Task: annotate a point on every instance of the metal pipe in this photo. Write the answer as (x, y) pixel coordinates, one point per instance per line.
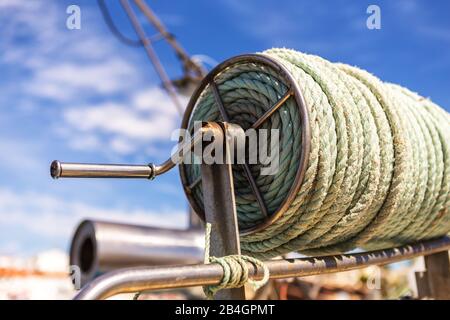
(99, 246)
(151, 53)
(147, 171)
(93, 170)
(188, 63)
(140, 279)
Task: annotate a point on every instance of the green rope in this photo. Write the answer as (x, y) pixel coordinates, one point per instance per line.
(378, 173)
(235, 270)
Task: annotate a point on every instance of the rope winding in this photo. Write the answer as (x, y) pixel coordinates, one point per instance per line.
(379, 165)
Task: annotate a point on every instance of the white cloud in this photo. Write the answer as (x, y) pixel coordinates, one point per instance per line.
(49, 216)
(10, 248)
(148, 117)
(113, 118)
(8, 3)
(63, 65)
(19, 154)
(66, 81)
(93, 81)
(122, 146)
(35, 21)
(83, 142)
(155, 99)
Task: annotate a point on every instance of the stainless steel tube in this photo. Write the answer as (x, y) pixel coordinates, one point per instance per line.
(98, 247)
(147, 171)
(140, 279)
(87, 170)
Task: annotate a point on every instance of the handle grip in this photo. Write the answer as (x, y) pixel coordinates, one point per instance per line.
(85, 170)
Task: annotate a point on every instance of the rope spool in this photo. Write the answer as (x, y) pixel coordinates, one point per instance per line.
(362, 163)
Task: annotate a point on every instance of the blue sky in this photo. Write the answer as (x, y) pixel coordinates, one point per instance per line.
(81, 95)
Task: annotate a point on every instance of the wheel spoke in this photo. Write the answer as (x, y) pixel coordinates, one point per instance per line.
(272, 109)
(245, 166)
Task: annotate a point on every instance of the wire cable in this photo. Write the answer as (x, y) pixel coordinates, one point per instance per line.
(114, 29)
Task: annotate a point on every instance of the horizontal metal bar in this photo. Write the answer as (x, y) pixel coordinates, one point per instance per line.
(92, 170)
(147, 171)
(151, 278)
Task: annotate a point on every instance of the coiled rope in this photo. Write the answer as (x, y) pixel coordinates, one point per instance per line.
(235, 270)
(378, 170)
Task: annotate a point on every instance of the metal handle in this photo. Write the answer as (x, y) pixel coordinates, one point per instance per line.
(146, 171)
(85, 170)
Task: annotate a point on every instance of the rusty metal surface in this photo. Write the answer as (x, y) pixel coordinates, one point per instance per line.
(220, 211)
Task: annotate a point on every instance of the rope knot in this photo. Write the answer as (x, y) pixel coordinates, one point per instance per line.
(235, 270)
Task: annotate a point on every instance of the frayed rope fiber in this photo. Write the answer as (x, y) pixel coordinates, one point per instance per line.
(378, 170)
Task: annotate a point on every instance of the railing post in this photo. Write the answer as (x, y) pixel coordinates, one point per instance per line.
(220, 211)
(434, 282)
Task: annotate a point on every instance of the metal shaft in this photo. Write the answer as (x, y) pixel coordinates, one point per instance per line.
(188, 63)
(140, 279)
(91, 170)
(146, 171)
(151, 53)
